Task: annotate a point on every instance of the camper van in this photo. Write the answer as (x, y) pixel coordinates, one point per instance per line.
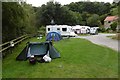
(94, 30)
(64, 30)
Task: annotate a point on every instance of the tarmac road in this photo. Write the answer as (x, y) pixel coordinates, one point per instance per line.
(102, 39)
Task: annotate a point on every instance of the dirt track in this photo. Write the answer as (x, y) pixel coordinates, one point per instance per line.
(102, 39)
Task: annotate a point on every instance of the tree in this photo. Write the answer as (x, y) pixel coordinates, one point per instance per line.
(17, 19)
(12, 19)
(60, 14)
(94, 20)
(85, 16)
(46, 13)
(114, 26)
(99, 8)
(114, 11)
(102, 18)
(29, 19)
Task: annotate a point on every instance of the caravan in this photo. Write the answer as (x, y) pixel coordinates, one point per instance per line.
(81, 29)
(64, 30)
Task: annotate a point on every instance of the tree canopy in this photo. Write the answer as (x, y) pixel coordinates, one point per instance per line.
(82, 13)
(17, 19)
(22, 18)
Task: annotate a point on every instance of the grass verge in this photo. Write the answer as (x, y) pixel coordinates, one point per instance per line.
(116, 37)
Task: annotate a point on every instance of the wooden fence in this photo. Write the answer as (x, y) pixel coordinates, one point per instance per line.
(5, 46)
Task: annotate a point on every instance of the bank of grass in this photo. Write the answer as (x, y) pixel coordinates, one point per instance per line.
(79, 59)
(116, 37)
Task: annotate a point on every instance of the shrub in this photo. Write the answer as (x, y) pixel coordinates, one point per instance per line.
(102, 29)
(109, 30)
(114, 26)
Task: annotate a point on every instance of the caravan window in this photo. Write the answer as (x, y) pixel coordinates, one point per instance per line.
(58, 28)
(64, 29)
(83, 27)
(48, 29)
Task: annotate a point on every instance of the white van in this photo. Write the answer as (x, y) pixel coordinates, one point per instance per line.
(93, 30)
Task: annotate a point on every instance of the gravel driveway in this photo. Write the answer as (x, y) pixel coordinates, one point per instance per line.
(102, 39)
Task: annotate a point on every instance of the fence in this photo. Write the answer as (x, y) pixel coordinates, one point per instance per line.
(7, 45)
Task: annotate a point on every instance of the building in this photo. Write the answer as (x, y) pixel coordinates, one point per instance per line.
(109, 20)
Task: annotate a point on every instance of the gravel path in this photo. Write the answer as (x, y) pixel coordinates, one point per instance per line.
(102, 39)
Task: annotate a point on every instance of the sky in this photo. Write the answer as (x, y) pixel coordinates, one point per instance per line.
(63, 2)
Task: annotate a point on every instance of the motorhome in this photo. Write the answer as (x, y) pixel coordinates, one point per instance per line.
(94, 30)
(64, 30)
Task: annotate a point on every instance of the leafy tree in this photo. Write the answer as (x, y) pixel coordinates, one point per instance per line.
(114, 26)
(12, 19)
(78, 18)
(41, 30)
(94, 20)
(85, 16)
(114, 11)
(17, 19)
(102, 28)
(60, 15)
(99, 8)
(104, 8)
(73, 7)
(102, 18)
(29, 19)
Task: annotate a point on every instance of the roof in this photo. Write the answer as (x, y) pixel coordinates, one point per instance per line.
(111, 18)
(77, 27)
(58, 26)
(80, 27)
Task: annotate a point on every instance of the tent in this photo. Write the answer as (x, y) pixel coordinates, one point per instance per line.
(53, 36)
(38, 49)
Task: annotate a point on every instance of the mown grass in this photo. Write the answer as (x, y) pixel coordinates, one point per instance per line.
(79, 59)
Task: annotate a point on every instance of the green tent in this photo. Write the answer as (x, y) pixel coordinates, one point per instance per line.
(38, 49)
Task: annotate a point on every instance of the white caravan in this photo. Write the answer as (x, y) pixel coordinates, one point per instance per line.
(81, 29)
(64, 30)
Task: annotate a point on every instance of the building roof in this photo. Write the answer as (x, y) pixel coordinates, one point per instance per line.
(111, 18)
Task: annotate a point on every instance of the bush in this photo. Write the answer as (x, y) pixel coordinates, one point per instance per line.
(42, 30)
(109, 30)
(114, 26)
(102, 29)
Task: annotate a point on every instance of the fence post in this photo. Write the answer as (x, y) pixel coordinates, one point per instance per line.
(10, 44)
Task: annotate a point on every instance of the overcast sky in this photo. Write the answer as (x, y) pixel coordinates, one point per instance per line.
(40, 2)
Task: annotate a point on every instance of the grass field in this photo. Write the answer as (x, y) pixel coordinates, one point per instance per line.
(79, 59)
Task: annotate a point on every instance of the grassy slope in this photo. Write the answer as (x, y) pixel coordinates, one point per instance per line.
(79, 59)
(116, 37)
